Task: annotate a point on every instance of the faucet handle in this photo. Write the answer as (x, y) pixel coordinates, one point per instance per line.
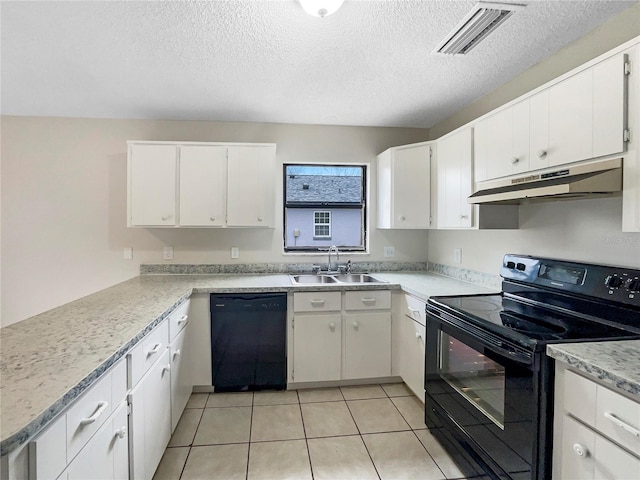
(315, 269)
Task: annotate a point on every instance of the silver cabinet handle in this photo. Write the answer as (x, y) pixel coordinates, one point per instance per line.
(580, 450)
(176, 354)
(317, 302)
(156, 348)
(102, 406)
(368, 300)
(625, 426)
(183, 319)
(166, 368)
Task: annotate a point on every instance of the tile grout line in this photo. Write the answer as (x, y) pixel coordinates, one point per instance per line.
(304, 431)
(253, 401)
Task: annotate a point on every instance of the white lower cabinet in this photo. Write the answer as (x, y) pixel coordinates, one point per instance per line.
(106, 454)
(341, 335)
(410, 343)
(150, 420)
(597, 430)
(87, 440)
(180, 385)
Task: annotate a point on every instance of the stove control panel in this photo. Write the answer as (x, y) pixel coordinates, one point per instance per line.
(618, 284)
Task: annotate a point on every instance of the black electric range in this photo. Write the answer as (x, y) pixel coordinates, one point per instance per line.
(488, 382)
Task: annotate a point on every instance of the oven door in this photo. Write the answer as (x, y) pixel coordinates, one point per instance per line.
(485, 393)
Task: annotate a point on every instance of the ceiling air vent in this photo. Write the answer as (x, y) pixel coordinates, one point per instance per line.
(483, 19)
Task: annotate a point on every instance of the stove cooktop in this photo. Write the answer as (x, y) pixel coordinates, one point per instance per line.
(530, 326)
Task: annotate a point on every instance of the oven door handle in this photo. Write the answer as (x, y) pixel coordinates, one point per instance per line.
(487, 340)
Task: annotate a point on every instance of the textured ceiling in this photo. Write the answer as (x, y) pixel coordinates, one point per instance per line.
(267, 61)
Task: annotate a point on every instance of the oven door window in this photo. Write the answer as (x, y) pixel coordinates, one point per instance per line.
(473, 375)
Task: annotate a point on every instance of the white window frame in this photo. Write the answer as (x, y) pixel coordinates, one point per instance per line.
(317, 224)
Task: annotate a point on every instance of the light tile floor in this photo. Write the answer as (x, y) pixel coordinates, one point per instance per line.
(365, 432)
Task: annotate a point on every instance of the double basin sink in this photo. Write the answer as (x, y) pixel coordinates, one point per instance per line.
(324, 278)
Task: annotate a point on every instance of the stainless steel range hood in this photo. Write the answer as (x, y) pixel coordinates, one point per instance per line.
(586, 179)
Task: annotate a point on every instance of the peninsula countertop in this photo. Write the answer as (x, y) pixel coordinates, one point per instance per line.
(48, 360)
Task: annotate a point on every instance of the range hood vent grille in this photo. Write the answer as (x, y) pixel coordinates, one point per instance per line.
(475, 27)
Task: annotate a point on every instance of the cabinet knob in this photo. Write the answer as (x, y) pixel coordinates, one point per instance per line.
(463, 216)
(515, 160)
(541, 153)
(418, 335)
(402, 218)
(213, 219)
(580, 450)
(356, 325)
(121, 432)
(259, 219)
(332, 325)
(166, 217)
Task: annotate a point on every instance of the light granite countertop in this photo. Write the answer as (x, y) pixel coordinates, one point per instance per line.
(48, 360)
(616, 363)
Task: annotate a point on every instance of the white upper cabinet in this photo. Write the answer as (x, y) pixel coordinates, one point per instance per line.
(454, 179)
(152, 185)
(577, 118)
(201, 185)
(404, 187)
(250, 188)
(502, 143)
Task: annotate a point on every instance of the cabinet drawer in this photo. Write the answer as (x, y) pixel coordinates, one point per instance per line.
(368, 300)
(618, 417)
(178, 319)
(316, 302)
(415, 309)
(148, 350)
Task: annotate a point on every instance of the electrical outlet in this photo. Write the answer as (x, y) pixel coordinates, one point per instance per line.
(457, 255)
(235, 252)
(167, 253)
(128, 253)
(389, 252)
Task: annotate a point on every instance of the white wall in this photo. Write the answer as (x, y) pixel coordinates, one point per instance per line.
(64, 203)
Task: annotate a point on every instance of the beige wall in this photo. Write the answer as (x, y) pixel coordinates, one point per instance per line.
(64, 203)
(582, 230)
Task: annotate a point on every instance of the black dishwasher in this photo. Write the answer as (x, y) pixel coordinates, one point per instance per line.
(248, 341)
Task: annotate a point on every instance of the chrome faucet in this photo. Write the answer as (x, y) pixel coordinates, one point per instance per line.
(333, 248)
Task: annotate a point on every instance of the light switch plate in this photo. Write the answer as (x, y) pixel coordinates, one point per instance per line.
(128, 253)
(389, 252)
(235, 252)
(167, 253)
(457, 255)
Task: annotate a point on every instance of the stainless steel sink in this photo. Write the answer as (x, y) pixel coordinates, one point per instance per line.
(357, 278)
(312, 279)
(316, 279)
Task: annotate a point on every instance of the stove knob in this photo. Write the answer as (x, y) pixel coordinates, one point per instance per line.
(613, 281)
(634, 285)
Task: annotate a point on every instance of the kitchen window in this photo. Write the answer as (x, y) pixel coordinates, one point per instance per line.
(324, 205)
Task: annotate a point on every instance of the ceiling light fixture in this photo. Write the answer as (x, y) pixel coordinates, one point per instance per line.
(321, 8)
(483, 19)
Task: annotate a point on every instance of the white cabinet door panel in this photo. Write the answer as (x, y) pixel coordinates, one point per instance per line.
(317, 347)
(539, 130)
(367, 345)
(152, 189)
(608, 106)
(180, 384)
(203, 185)
(411, 187)
(454, 180)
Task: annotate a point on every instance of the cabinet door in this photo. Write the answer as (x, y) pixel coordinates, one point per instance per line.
(499, 144)
(317, 347)
(152, 185)
(578, 448)
(203, 185)
(539, 130)
(250, 186)
(571, 119)
(367, 345)
(520, 131)
(411, 187)
(180, 386)
(150, 420)
(106, 454)
(454, 180)
(608, 106)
